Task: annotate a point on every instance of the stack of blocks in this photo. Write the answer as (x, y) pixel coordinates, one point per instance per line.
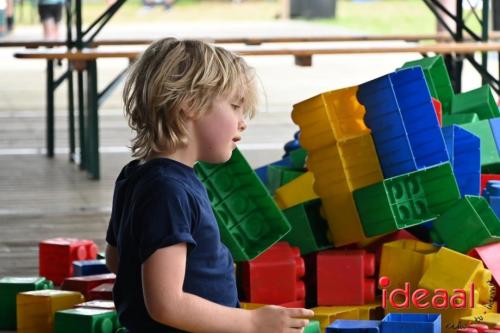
(373, 189)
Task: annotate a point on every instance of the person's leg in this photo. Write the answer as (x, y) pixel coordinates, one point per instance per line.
(10, 15)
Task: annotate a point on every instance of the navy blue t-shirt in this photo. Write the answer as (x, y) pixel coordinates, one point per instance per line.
(158, 204)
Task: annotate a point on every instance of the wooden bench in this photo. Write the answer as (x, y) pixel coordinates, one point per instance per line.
(86, 60)
(33, 44)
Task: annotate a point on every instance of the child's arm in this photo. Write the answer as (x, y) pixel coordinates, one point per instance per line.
(112, 258)
(163, 277)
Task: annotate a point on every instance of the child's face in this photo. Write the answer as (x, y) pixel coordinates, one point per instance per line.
(218, 130)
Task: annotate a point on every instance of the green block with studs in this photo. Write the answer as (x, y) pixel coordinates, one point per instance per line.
(278, 176)
(490, 157)
(86, 320)
(298, 158)
(459, 119)
(479, 101)
(312, 327)
(406, 200)
(9, 288)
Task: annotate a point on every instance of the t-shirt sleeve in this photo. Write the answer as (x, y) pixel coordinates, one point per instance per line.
(163, 217)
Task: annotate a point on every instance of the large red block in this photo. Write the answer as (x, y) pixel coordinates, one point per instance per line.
(345, 277)
(56, 256)
(84, 284)
(274, 276)
(487, 177)
(102, 292)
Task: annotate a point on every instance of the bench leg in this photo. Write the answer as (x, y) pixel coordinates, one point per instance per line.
(92, 121)
(50, 108)
(81, 120)
(71, 114)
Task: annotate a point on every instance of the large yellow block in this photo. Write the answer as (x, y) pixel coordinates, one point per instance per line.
(404, 261)
(36, 309)
(297, 191)
(490, 319)
(372, 311)
(329, 117)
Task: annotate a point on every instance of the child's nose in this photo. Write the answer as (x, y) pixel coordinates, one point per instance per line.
(242, 125)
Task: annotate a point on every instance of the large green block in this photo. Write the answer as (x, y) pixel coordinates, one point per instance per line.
(468, 223)
(298, 158)
(407, 200)
(9, 288)
(437, 78)
(459, 119)
(278, 176)
(490, 157)
(309, 229)
(313, 327)
(86, 320)
(479, 101)
(248, 218)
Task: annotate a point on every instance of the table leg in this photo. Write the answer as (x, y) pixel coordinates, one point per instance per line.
(50, 107)
(92, 121)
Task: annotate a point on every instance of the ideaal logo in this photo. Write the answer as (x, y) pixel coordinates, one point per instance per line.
(400, 298)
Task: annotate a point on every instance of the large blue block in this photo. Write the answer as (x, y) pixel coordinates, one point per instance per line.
(262, 171)
(465, 155)
(404, 125)
(419, 117)
(495, 129)
(492, 195)
(411, 323)
(388, 131)
(354, 326)
(89, 267)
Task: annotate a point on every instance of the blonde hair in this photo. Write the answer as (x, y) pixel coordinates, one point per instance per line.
(171, 73)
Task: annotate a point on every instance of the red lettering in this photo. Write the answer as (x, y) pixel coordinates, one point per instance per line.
(405, 293)
(418, 295)
(442, 296)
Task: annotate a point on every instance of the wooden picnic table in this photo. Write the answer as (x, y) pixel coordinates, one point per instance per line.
(86, 60)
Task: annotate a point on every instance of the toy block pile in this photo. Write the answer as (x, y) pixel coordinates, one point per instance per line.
(55, 302)
(391, 192)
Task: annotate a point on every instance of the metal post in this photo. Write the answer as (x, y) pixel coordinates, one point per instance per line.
(92, 120)
(457, 70)
(484, 26)
(81, 121)
(50, 107)
(71, 106)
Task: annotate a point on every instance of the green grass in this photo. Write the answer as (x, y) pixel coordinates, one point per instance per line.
(370, 17)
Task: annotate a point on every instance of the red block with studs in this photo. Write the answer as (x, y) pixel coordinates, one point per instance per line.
(84, 284)
(274, 277)
(56, 256)
(345, 277)
(103, 292)
(485, 177)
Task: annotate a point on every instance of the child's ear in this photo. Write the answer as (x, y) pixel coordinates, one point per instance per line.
(187, 111)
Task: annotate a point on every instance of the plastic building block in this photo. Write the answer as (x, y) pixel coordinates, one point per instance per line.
(442, 273)
(35, 309)
(89, 267)
(372, 311)
(468, 223)
(489, 320)
(103, 291)
(274, 277)
(84, 320)
(479, 101)
(405, 261)
(345, 277)
(339, 170)
(411, 323)
(438, 108)
(291, 146)
(404, 125)
(298, 158)
(309, 229)
(492, 195)
(485, 178)
(354, 326)
(490, 157)
(97, 304)
(295, 192)
(249, 220)
(312, 327)
(329, 117)
(488, 254)
(56, 256)
(437, 78)
(406, 200)
(9, 288)
(459, 119)
(278, 176)
(327, 315)
(495, 130)
(84, 284)
(261, 172)
(465, 157)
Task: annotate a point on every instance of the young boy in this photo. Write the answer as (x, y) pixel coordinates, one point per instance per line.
(187, 102)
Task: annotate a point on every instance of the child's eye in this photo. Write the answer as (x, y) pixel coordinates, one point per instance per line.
(235, 106)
